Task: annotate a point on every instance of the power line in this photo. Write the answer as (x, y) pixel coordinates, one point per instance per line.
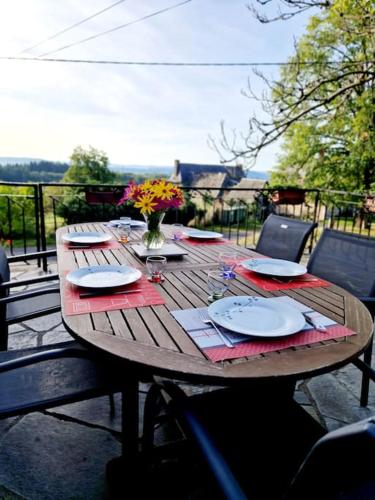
(72, 26)
(186, 64)
(102, 33)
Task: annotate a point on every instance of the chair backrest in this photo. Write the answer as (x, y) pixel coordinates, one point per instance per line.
(339, 466)
(347, 260)
(284, 237)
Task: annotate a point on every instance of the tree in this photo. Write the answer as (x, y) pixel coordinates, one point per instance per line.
(89, 167)
(323, 104)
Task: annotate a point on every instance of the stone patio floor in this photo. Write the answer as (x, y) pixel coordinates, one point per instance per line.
(61, 453)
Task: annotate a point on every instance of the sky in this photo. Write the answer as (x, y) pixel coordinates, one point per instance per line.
(143, 115)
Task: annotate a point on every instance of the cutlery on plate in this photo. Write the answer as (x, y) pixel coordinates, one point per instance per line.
(98, 294)
(318, 326)
(204, 317)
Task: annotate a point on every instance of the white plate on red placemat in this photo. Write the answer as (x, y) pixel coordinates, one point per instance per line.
(256, 316)
(103, 276)
(133, 223)
(274, 267)
(86, 238)
(202, 235)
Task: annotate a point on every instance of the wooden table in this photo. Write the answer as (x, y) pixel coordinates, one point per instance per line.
(149, 338)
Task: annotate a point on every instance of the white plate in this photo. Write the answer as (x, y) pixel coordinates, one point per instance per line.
(204, 235)
(274, 267)
(104, 276)
(133, 223)
(256, 316)
(88, 238)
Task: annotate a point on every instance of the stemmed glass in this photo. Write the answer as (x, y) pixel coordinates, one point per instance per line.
(155, 266)
(217, 284)
(227, 264)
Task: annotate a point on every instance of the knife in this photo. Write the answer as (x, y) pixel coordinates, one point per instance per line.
(98, 294)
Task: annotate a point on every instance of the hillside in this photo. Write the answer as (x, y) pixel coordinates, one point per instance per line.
(23, 169)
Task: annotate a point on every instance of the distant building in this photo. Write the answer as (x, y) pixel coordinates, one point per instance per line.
(213, 189)
(189, 174)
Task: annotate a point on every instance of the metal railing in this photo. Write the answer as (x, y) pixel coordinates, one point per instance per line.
(31, 213)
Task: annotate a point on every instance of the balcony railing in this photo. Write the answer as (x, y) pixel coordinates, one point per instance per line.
(31, 213)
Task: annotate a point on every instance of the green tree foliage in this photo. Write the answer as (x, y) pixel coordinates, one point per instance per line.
(330, 142)
(89, 167)
(323, 103)
(38, 171)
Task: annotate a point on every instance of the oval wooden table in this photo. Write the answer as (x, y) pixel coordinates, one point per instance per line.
(149, 339)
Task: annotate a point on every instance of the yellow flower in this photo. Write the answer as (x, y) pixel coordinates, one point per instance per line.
(145, 203)
(146, 186)
(163, 190)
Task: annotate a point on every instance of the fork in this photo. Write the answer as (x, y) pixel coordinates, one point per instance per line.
(204, 317)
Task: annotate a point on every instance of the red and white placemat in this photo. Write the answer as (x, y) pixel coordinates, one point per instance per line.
(108, 245)
(147, 296)
(272, 283)
(214, 349)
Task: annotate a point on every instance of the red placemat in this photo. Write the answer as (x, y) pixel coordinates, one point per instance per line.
(213, 347)
(217, 241)
(148, 296)
(254, 347)
(271, 284)
(109, 245)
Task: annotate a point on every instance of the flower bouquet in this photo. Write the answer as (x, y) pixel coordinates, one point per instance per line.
(153, 198)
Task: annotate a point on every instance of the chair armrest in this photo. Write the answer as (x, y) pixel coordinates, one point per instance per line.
(28, 295)
(31, 256)
(30, 281)
(38, 357)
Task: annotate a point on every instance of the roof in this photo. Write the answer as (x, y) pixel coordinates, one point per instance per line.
(245, 183)
(188, 174)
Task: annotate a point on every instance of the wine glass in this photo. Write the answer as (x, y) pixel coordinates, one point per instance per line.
(155, 266)
(227, 263)
(217, 284)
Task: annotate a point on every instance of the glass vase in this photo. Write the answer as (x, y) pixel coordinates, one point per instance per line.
(153, 238)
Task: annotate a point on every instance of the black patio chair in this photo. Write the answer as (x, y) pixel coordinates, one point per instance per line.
(284, 237)
(348, 260)
(39, 378)
(240, 452)
(22, 306)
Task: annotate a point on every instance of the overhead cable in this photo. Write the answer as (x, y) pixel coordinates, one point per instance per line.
(28, 49)
(122, 26)
(186, 64)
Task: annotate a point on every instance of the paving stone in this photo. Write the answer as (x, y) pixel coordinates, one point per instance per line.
(44, 323)
(334, 401)
(16, 328)
(97, 412)
(44, 458)
(23, 340)
(56, 336)
(94, 412)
